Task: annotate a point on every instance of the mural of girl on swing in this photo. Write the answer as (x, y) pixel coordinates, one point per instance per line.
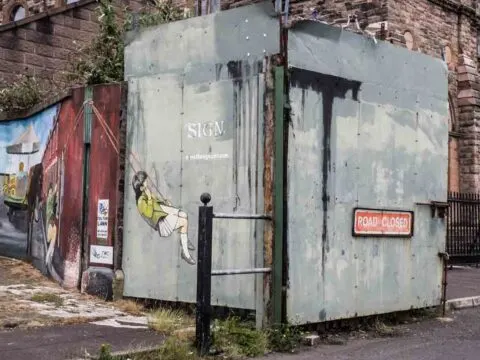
(160, 214)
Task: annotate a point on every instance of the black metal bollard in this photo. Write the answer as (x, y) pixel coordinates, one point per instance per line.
(204, 276)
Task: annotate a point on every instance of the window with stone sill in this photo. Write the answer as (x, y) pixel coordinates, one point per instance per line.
(18, 13)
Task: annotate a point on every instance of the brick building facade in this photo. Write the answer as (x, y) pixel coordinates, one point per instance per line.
(39, 45)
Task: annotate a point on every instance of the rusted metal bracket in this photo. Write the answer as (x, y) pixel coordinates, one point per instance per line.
(439, 208)
(445, 257)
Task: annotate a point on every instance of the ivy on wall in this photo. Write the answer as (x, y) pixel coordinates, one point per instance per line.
(102, 60)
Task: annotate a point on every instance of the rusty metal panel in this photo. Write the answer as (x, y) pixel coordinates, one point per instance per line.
(195, 124)
(71, 158)
(56, 197)
(362, 136)
(104, 160)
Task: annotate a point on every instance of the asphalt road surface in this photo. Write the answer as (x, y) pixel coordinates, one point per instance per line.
(428, 340)
(71, 342)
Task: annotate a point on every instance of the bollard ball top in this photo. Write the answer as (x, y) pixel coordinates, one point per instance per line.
(205, 198)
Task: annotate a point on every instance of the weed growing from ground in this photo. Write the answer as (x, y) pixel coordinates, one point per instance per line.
(172, 349)
(175, 349)
(237, 340)
(105, 352)
(284, 338)
(232, 338)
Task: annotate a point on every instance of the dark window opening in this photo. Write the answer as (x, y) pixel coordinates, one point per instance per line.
(18, 13)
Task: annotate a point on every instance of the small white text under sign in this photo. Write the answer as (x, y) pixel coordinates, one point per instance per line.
(102, 219)
(101, 254)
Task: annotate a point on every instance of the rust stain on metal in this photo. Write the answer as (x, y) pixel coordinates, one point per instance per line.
(269, 121)
(104, 160)
(70, 223)
(122, 137)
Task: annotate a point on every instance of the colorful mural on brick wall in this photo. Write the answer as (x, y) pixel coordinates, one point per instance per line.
(22, 144)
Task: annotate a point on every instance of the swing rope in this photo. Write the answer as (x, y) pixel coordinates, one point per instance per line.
(76, 122)
(114, 142)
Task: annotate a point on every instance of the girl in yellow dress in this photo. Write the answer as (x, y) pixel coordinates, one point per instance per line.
(161, 215)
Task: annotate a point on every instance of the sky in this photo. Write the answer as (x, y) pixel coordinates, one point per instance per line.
(10, 130)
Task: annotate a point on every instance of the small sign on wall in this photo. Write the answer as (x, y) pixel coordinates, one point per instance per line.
(387, 223)
(102, 219)
(101, 254)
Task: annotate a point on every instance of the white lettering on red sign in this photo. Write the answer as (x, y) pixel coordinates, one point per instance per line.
(383, 222)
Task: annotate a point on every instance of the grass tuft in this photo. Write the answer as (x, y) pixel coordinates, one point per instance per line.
(166, 321)
(172, 349)
(175, 349)
(130, 307)
(41, 297)
(105, 352)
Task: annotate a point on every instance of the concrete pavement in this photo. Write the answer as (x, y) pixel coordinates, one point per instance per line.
(428, 340)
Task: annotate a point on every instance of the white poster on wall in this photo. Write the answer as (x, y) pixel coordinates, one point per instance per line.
(101, 254)
(102, 219)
